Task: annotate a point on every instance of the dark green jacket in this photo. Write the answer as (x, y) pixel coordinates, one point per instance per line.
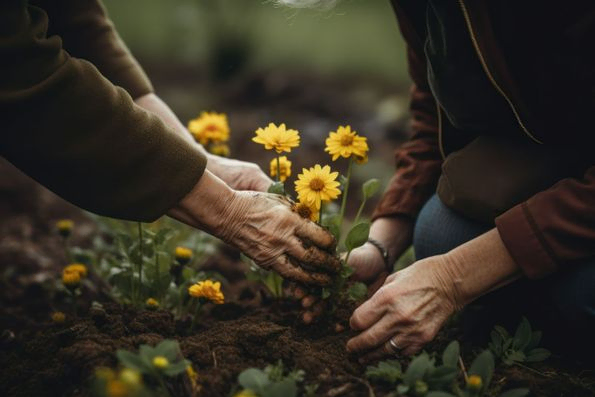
(67, 116)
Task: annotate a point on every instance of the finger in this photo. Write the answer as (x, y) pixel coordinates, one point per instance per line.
(369, 312)
(309, 231)
(386, 350)
(374, 336)
(288, 270)
(262, 182)
(312, 256)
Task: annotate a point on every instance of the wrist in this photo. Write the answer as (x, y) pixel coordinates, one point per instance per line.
(395, 234)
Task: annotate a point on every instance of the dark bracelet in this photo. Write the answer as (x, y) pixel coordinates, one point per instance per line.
(383, 252)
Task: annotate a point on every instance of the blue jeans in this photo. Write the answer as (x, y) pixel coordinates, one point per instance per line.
(568, 297)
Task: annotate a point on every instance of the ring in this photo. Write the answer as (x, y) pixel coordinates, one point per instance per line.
(391, 346)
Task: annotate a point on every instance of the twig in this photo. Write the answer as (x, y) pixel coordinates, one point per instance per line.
(214, 358)
(533, 370)
(365, 383)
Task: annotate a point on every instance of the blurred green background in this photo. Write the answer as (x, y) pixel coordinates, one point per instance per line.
(261, 63)
(357, 37)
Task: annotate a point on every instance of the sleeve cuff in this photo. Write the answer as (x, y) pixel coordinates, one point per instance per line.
(525, 243)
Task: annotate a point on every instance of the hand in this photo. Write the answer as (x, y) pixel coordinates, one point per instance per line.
(395, 236)
(239, 175)
(409, 308)
(262, 226)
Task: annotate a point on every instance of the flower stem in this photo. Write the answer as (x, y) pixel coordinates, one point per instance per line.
(359, 211)
(278, 170)
(345, 191)
(67, 249)
(195, 317)
(320, 215)
(140, 261)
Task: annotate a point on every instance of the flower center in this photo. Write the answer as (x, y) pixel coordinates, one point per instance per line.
(346, 140)
(211, 127)
(317, 184)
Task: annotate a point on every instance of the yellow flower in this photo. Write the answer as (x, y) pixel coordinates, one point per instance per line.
(76, 268)
(183, 254)
(306, 211)
(316, 185)
(284, 166)
(152, 303)
(65, 227)
(58, 317)
(245, 393)
(207, 289)
(117, 388)
(193, 376)
(209, 127)
(71, 279)
(130, 377)
(160, 362)
(220, 149)
(346, 143)
(474, 382)
(279, 139)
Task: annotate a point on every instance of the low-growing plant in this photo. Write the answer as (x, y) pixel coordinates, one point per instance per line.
(522, 347)
(425, 378)
(273, 381)
(159, 366)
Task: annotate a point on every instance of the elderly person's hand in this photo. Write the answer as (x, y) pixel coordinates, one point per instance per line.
(264, 227)
(239, 175)
(393, 235)
(411, 306)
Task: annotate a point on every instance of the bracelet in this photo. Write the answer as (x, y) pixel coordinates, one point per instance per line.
(383, 252)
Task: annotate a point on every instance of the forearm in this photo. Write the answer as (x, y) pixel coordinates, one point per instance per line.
(476, 268)
(394, 234)
(152, 103)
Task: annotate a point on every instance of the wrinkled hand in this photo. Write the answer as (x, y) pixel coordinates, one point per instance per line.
(263, 226)
(409, 308)
(239, 175)
(368, 265)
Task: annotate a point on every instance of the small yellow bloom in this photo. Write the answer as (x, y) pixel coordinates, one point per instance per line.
(160, 362)
(183, 254)
(117, 388)
(193, 376)
(306, 211)
(76, 268)
(346, 143)
(220, 149)
(131, 377)
(245, 393)
(474, 382)
(65, 227)
(284, 167)
(279, 139)
(71, 279)
(316, 185)
(207, 289)
(58, 317)
(152, 303)
(209, 127)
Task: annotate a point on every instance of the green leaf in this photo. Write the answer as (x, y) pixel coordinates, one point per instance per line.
(277, 188)
(388, 371)
(169, 349)
(402, 389)
(417, 369)
(357, 291)
(332, 224)
(515, 393)
(370, 188)
(285, 388)
(176, 368)
(254, 379)
(513, 356)
(132, 361)
(326, 293)
(538, 354)
(450, 357)
(523, 334)
(483, 365)
(357, 236)
(535, 339)
(442, 377)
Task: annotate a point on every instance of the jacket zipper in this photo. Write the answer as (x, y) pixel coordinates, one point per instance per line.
(489, 74)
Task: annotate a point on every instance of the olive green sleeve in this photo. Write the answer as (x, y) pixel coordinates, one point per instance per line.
(68, 127)
(88, 33)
